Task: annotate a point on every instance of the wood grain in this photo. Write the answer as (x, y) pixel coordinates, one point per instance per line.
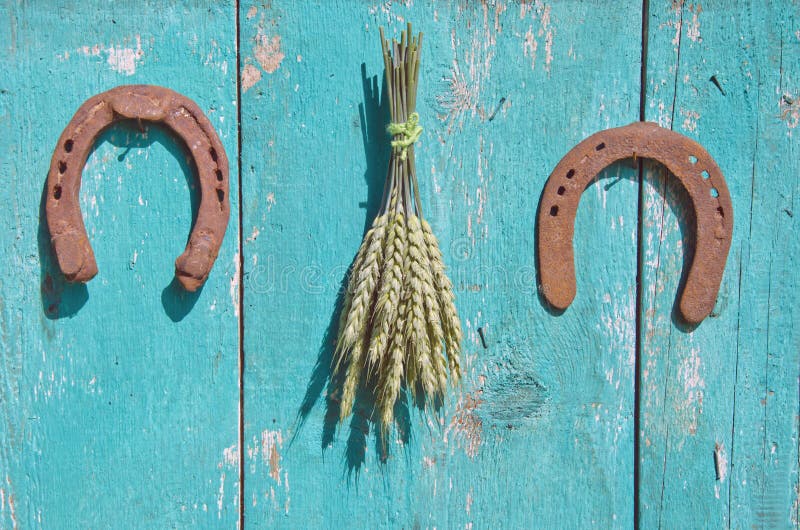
(541, 432)
(118, 399)
(719, 440)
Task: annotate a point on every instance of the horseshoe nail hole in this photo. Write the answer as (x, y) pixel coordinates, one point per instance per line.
(220, 195)
(720, 211)
(714, 192)
(554, 211)
(62, 166)
(600, 146)
(219, 175)
(705, 174)
(68, 146)
(57, 192)
(692, 159)
(570, 173)
(561, 190)
(213, 153)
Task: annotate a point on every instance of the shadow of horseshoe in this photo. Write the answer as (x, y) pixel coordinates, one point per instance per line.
(694, 168)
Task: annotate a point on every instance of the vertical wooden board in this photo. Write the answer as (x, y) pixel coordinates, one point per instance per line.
(541, 432)
(719, 404)
(118, 399)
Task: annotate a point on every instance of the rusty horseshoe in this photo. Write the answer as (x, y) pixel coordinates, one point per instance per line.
(144, 103)
(697, 172)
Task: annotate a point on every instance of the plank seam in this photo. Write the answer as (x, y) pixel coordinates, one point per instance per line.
(240, 520)
(639, 273)
(739, 305)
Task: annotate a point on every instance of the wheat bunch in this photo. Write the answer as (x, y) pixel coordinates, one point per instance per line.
(399, 325)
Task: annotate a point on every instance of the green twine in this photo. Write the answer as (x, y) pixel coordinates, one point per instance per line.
(408, 132)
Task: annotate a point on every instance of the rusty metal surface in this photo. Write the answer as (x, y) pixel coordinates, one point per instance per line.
(697, 172)
(146, 103)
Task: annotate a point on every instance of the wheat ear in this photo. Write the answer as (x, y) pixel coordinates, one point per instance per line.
(451, 324)
(356, 328)
(392, 371)
(433, 317)
(347, 303)
(388, 300)
(416, 332)
(435, 333)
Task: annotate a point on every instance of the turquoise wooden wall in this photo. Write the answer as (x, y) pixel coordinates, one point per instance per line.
(129, 403)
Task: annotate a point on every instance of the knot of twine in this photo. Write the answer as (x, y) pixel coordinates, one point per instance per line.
(408, 133)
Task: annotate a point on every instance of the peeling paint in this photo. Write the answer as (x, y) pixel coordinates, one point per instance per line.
(693, 31)
(254, 235)
(470, 70)
(529, 47)
(221, 495)
(250, 76)
(286, 486)
(13, 512)
(690, 120)
(271, 441)
(215, 57)
(120, 58)
(721, 461)
(460, 97)
(234, 290)
(546, 33)
(385, 8)
(124, 60)
(675, 24)
(548, 38)
(466, 427)
(11, 505)
(789, 108)
(693, 387)
(230, 455)
(267, 52)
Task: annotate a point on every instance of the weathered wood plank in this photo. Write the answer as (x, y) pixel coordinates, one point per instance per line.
(720, 403)
(118, 400)
(541, 434)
